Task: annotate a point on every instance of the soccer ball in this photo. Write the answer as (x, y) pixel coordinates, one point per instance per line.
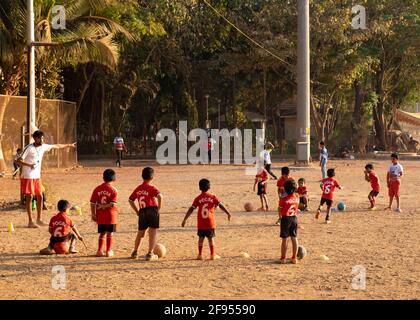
(249, 206)
(341, 206)
(160, 250)
(301, 252)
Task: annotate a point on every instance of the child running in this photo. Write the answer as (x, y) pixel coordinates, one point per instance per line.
(262, 180)
(328, 185)
(393, 179)
(63, 232)
(150, 202)
(372, 177)
(303, 195)
(206, 223)
(103, 207)
(288, 206)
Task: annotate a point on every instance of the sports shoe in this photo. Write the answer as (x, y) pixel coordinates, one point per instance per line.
(73, 250)
(151, 256)
(293, 260)
(283, 261)
(46, 251)
(31, 224)
(199, 257)
(100, 254)
(373, 208)
(134, 255)
(278, 222)
(41, 223)
(215, 257)
(398, 210)
(317, 214)
(327, 221)
(110, 253)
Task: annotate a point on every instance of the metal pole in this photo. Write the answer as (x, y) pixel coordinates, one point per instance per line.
(303, 79)
(31, 69)
(207, 110)
(218, 115)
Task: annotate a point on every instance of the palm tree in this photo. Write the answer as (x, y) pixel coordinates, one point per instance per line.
(88, 37)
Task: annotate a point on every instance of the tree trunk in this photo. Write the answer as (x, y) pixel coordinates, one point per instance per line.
(85, 87)
(379, 112)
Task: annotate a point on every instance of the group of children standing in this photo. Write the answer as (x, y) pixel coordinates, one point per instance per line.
(293, 197)
(146, 202)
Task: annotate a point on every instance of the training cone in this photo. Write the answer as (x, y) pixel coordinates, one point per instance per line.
(11, 228)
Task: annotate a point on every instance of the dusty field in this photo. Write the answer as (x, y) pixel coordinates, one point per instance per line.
(385, 243)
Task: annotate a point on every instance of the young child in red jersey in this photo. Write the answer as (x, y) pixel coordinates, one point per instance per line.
(262, 180)
(150, 202)
(372, 177)
(285, 176)
(288, 206)
(103, 206)
(206, 224)
(393, 178)
(63, 232)
(328, 185)
(303, 195)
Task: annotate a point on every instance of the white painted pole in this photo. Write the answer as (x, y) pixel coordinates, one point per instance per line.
(303, 79)
(31, 67)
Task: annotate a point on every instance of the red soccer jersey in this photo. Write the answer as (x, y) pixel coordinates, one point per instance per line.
(374, 181)
(282, 181)
(206, 203)
(302, 190)
(328, 186)
(289, 205)
(61, 225)
(105, 194)
(262, 175)
(146, 195)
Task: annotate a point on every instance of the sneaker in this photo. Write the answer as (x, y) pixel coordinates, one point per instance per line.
(293, 260)
(283, 261)
(41, 223)
(278, 222)
(134, 255)
(327, 221)
(31, 224)
(317, 214)
(110, 253)
(46, 251)
(100, 254)
(151, 256)
(199, 257)
(398, 210)
(372, 208)
(73, 250)
(215, 257)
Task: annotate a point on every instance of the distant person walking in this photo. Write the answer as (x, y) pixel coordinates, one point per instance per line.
(267, 158)
(119, 146)
(323, 159)
(31, 161)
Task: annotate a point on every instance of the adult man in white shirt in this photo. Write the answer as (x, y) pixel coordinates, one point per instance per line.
(31, 185)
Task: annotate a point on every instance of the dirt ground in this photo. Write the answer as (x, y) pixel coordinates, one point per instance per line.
(384, 243)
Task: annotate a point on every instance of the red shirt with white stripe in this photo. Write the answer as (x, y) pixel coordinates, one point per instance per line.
(105, 194)
(206, 204)
(146, 195)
